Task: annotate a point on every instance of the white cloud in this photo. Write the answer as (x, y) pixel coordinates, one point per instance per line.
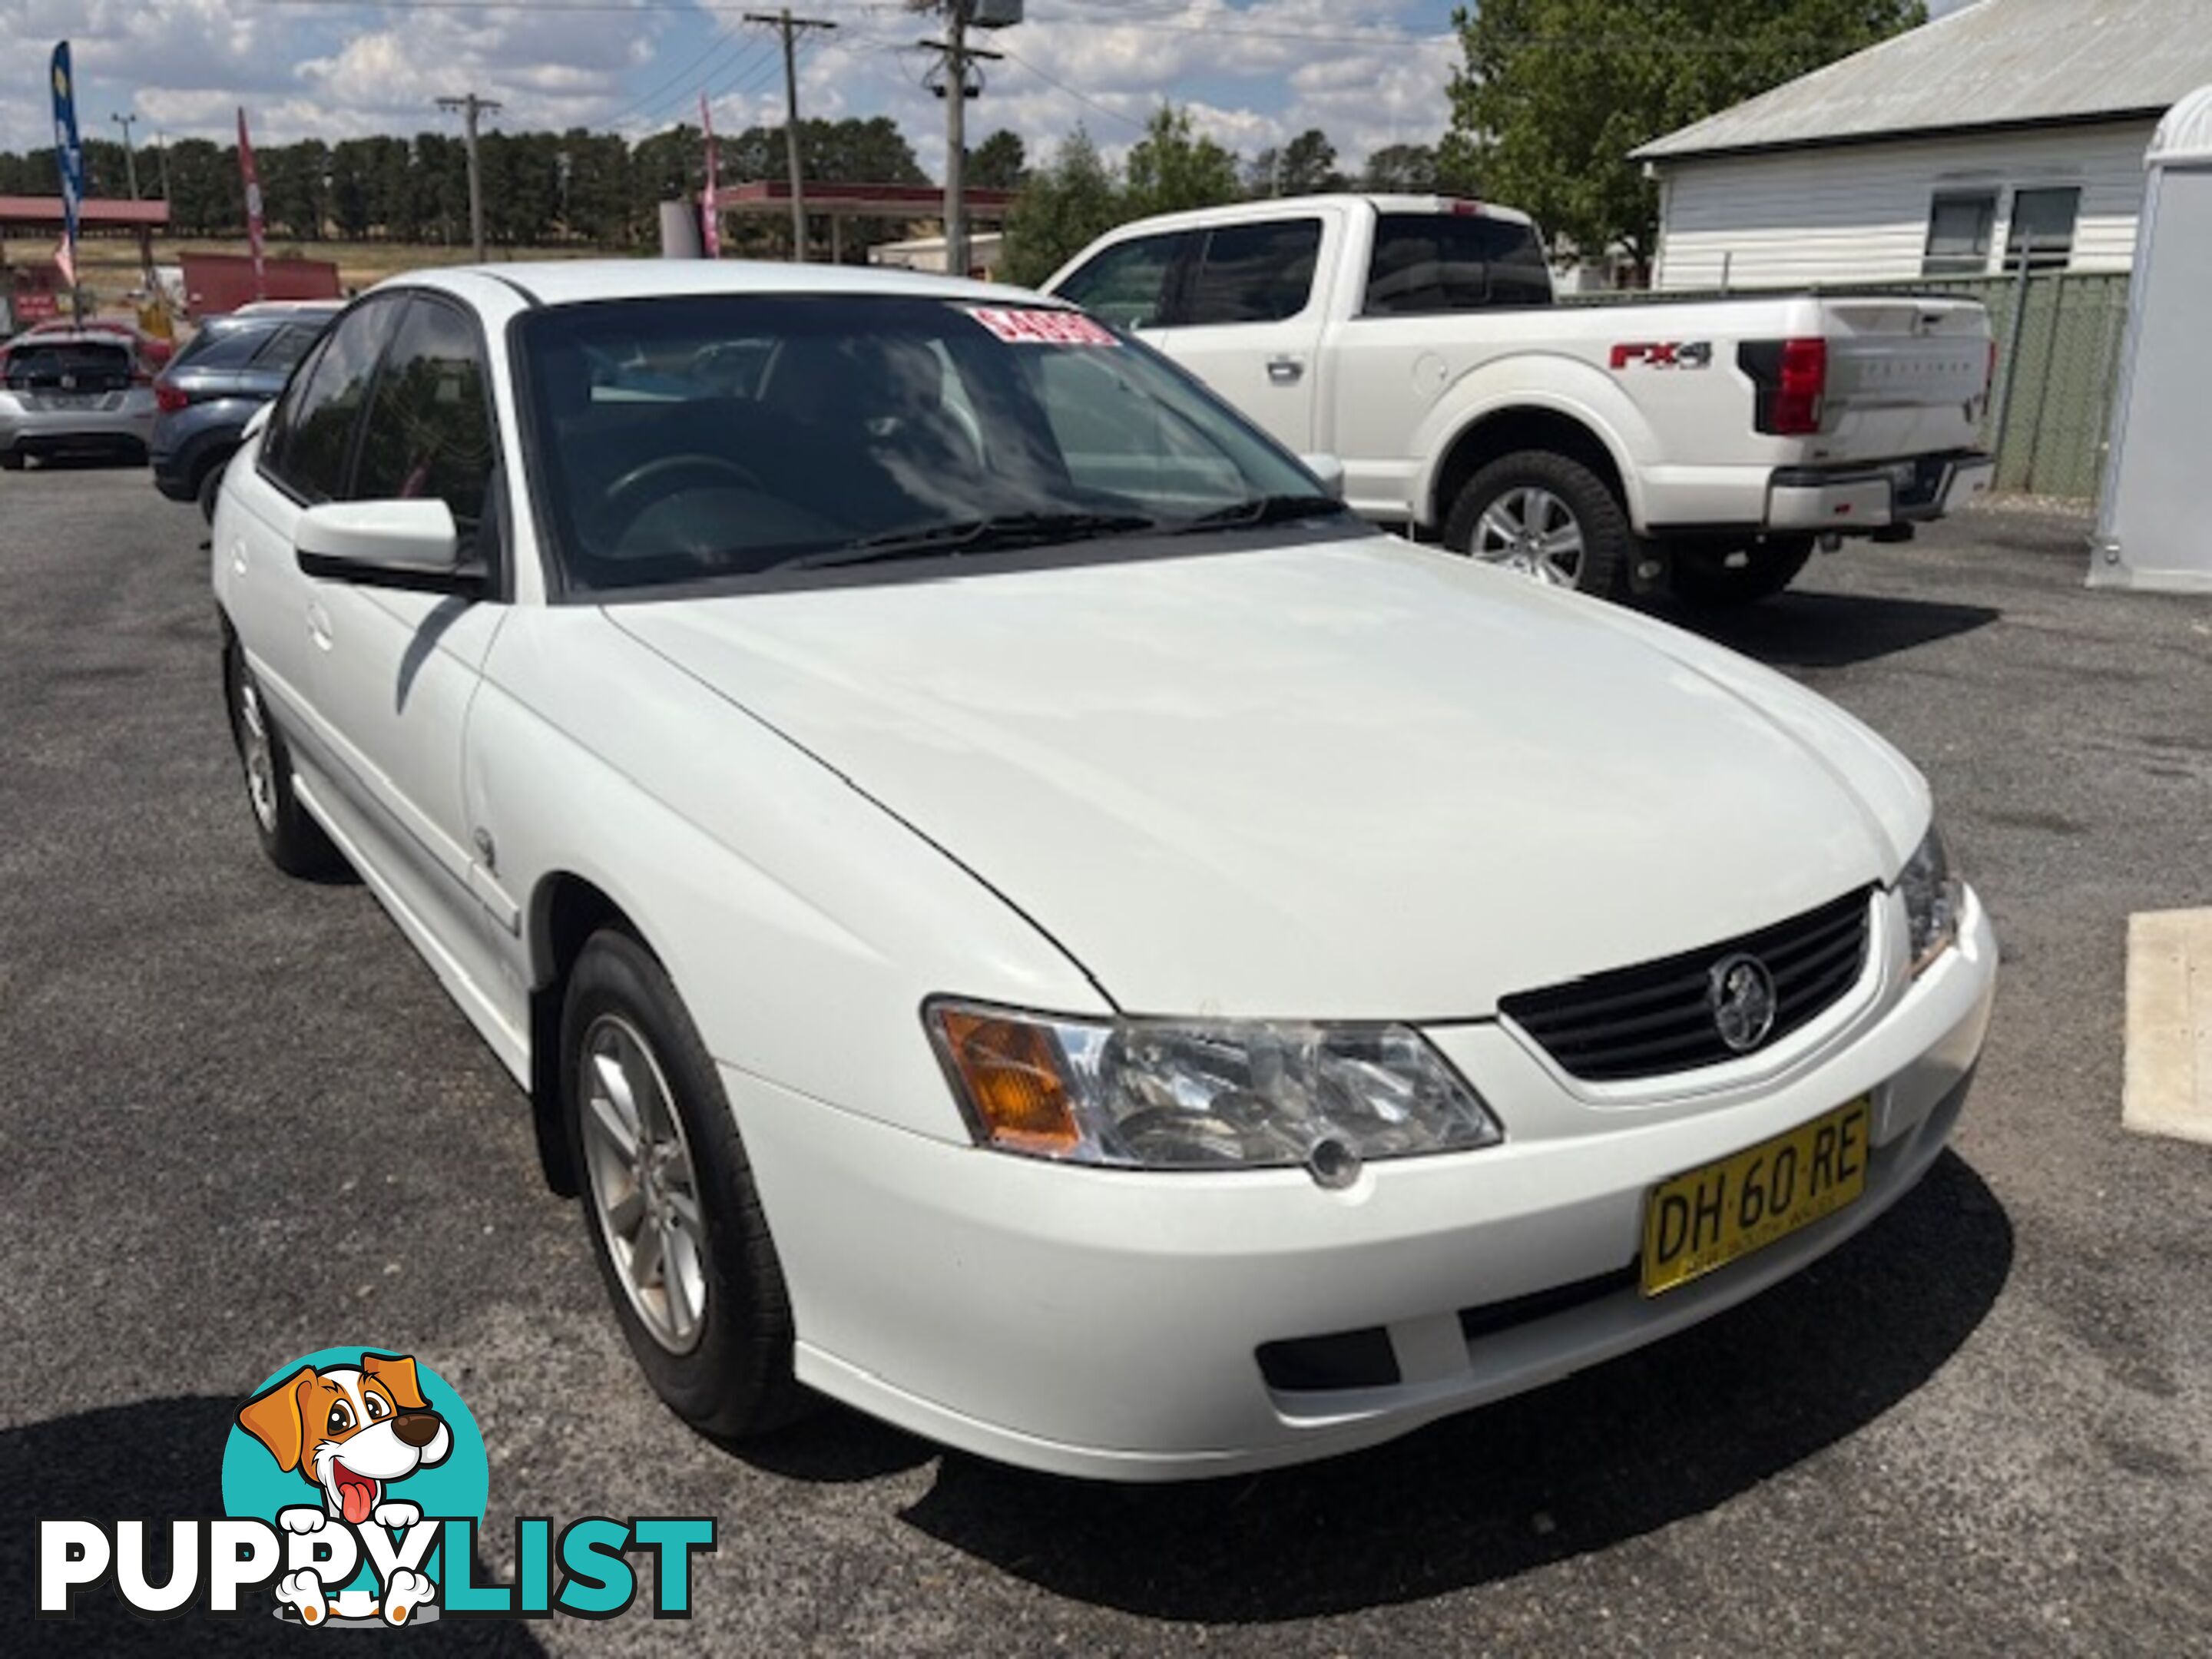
(1368, 72)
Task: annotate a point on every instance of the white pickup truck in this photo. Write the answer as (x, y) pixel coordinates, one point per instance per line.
(1701, 446)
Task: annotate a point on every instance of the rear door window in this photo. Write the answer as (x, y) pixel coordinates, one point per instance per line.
(1256, 273)
(1426, 263)
(1128, 284)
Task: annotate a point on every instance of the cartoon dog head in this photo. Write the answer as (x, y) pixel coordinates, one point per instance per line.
(349, 1431)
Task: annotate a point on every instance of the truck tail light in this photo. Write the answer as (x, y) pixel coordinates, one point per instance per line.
(1792, 378)
(1804, 383)
(168, 398)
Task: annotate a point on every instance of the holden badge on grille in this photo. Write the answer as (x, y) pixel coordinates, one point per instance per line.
(1741, 995)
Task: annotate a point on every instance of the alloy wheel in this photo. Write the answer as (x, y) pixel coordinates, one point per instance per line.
(1530, 530)
(644, 1187)
(255, 750)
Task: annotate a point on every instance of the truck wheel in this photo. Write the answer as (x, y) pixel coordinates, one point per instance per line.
(1721, 575)
(11, 460)
(1546, 516)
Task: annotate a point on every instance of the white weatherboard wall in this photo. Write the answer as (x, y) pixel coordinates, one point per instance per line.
(1858, 213)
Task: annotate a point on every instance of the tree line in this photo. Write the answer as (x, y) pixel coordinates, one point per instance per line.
(540, 189)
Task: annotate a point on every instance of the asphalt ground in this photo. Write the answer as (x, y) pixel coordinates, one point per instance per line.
(242, 1122)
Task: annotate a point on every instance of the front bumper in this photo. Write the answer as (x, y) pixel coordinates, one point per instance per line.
(1848, 501)
(1107, 1324)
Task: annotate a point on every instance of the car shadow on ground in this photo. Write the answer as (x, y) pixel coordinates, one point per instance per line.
(1829, 630)
(89, 461)
(157, 1461)
(1655, 1438)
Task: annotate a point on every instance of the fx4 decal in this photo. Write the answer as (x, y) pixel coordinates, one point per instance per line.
(1665, 354)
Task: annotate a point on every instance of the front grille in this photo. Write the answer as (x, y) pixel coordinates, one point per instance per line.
(1658, 1017)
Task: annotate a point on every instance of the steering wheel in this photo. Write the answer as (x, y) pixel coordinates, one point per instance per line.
(707, 468)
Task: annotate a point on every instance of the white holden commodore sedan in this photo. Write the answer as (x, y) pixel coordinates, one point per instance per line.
(1017, 912)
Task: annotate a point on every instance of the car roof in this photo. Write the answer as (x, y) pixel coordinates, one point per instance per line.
(575, 282)
(1286, 207)
(71, 335)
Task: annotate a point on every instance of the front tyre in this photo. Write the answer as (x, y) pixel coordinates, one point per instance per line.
(675, 1220)
(291, 838)
(1547, 517)
(1721, 575)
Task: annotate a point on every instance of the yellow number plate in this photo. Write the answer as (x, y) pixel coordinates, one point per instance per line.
(1708, 1217)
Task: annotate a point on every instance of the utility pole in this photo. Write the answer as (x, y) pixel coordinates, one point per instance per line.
(791, 28)
(471, 106)
(953, 85)
(129, 156)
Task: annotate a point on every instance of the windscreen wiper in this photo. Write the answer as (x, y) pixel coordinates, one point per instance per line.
(1004, 529)
(1263, 509)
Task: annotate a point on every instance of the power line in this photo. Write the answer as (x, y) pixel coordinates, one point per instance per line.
(1080, 97)
(697, 68)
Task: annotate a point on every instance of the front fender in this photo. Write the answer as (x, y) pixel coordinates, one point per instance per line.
(802, 924)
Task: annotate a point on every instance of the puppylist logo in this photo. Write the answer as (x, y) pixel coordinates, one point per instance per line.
(354, 1481)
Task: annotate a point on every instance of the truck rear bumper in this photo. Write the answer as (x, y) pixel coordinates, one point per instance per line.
(1852, 499)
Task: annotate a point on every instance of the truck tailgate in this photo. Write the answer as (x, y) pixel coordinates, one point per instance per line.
(1905, 376)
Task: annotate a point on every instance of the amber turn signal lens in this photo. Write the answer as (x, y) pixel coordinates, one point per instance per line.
(1011, 1072)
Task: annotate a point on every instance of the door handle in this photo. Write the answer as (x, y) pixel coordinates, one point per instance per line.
(1285, 371)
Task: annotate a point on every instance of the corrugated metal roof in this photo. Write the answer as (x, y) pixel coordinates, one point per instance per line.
(2001, 63)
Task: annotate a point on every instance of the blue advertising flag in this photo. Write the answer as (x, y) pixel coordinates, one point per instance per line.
(69, 156)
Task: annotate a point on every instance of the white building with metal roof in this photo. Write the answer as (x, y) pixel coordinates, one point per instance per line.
(1940, 152)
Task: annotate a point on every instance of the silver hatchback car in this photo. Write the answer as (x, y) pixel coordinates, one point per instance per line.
(73, 392)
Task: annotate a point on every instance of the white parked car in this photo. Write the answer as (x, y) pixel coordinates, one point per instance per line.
(1020, 913)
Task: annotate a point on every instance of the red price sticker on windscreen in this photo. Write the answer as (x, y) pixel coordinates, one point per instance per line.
(1041, 327)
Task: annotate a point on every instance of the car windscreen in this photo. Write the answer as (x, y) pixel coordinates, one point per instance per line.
(67, 365)
(685, 439)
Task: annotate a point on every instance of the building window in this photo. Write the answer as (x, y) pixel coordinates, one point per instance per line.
(2042, 228)
(1959, 232)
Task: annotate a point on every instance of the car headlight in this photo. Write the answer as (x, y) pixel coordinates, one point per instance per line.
(1161, 1094)
(1931, 900)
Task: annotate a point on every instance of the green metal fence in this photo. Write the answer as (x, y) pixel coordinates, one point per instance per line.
(2058, 337)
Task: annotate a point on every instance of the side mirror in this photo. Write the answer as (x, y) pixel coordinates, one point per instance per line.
(411, 544)
(1329, 470)
(256, 421)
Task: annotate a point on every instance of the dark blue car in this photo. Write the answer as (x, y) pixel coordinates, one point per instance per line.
(232, 367)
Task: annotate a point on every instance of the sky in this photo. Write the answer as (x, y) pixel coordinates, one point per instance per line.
(1253, 72)
(1368, 72)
